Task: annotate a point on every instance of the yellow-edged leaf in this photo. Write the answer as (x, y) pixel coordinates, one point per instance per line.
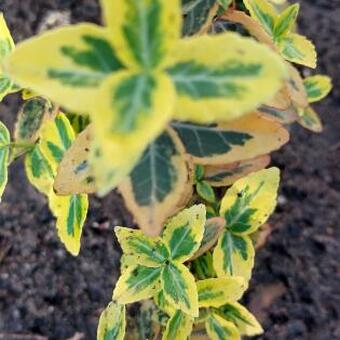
(298, 49)
(156, 186)
(310, 120)
(179, 288)
(112, 322)
(6, 40)
(163, 304)
(227, 174)
(146, 251)
(285, 22)
(317, 87)
(137, 283)
(219, 328)
(225, 85)
(216, 292)
(143, 31)
(250, 201)
(179, 326)
(41, 163)
(66, 65)
(31, 118)
(39, 171)
(6, 47)
(70, 212)
(213, 228)
(74, 174)
(5, 140)
(244, 138)
(134, 107)
(263, 12)
(56, 136)
(234, 256)
(245, 322)
(183, 233)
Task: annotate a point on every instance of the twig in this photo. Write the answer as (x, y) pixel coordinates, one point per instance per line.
(4, 251)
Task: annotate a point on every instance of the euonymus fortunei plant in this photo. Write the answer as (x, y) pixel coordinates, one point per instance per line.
(170, 102)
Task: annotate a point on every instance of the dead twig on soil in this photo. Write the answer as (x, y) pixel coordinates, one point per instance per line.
(4, 251)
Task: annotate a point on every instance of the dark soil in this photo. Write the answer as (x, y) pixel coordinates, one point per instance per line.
(295, 290)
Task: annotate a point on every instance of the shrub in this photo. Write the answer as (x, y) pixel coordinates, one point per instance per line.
(170, 104)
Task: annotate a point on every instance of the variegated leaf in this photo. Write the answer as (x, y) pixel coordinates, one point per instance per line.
(112, 322)
(297, 49)
(70, 212)
(137, 283)
(79, 122)
(250, 201)
(206, 191)
(143, 31)
(317, 87)
(6, 47)
(179, 326)
(197, 15)
(56, 137)
(156, 185)
(310, 120)
(244, 138)
(146, 251)
(216, 292)
(183, 233)
(163, 304)
(219, 328)
(234, 256)
(203, 267)
(179, 288)
(225, 175)
(134, 103)
(226, 85)
(285, 22)
(32, 115)
(65, 64)
(5, 140)
(213, 228)
(263, 12)
(39, 171)
(245, 322)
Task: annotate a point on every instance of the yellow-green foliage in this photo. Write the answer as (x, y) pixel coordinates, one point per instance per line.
(165, 104)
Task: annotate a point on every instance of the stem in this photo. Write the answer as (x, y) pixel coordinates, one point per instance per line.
(22, 146)
(27, 145)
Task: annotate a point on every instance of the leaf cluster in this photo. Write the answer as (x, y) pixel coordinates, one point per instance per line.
(170, 102)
